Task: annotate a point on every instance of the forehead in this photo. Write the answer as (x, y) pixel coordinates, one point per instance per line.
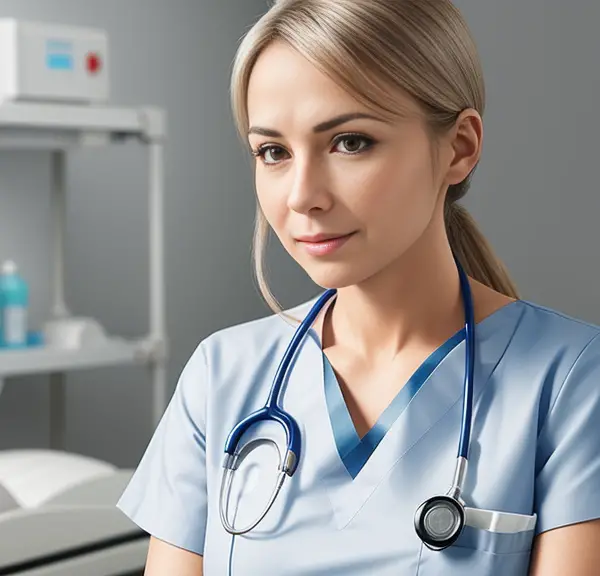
(285, 88)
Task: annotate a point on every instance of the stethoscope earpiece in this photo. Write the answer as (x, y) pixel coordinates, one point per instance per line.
(439, 522)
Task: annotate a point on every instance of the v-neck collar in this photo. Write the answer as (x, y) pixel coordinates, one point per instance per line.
(353, 450)
(440, 393)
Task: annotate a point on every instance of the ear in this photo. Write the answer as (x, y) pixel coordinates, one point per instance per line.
(465, 142)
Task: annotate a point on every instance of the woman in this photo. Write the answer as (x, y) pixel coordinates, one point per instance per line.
(364, 117)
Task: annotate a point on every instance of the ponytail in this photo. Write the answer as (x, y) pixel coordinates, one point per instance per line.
(474, 252)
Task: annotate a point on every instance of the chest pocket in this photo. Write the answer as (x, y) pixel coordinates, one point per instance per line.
(491, 544)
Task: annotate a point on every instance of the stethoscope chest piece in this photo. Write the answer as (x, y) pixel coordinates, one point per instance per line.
(439, 522)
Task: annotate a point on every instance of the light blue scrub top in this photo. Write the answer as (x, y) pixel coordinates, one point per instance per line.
(349, 509)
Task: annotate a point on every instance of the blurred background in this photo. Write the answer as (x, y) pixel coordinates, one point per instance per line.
(534, 194)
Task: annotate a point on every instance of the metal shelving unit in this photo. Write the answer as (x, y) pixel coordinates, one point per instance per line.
(58, 128)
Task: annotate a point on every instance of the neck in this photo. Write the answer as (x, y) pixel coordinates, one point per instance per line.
(413, 302)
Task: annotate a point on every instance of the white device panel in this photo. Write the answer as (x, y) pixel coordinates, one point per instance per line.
(52, 63)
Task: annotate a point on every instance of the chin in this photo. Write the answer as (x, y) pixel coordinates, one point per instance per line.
(336, 276)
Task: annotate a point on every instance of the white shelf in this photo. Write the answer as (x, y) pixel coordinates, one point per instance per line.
(60, 127)
(56, 126)
(46, 360)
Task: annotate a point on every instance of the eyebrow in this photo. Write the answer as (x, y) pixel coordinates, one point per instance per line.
(322, 127)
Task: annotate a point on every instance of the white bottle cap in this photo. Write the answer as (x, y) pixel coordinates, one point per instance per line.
(9, 268)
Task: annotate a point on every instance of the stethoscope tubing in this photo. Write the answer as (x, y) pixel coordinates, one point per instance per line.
(273, 412)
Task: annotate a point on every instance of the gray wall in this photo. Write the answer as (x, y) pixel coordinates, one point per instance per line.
(177, 55)
(534, 192)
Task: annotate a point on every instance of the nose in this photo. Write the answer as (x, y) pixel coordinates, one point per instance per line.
(308, 191)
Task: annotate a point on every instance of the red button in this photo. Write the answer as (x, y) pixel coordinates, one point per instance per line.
(93, 63)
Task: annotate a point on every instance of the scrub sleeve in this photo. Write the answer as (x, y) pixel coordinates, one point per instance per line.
(167, 496)
(567, 488)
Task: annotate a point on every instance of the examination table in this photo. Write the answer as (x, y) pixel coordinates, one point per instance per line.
(58, 517)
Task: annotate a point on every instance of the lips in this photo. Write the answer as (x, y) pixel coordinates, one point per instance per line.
(321, 237)
(320, 245)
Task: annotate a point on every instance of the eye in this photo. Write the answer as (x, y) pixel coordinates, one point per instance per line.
(270, 153)
(353, 143)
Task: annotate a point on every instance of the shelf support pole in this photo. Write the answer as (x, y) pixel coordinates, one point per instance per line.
(59, 308)
(157, 277)
(57, 411)
(59, 203)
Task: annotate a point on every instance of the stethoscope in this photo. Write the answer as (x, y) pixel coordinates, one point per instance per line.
(438, 521)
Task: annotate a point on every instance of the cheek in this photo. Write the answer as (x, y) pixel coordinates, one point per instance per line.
(271, 201)
(397, 198)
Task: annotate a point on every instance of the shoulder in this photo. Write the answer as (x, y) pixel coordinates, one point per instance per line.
(548, 331)
(543, 331)
(239, 353)
(551, 348)
(259, 335)
(554, 319)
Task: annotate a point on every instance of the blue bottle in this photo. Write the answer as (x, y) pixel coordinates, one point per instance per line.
(14, 301)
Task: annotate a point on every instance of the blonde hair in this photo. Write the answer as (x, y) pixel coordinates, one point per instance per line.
(421, 47)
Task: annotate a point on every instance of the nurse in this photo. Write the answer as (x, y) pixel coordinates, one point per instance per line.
(365, 120)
